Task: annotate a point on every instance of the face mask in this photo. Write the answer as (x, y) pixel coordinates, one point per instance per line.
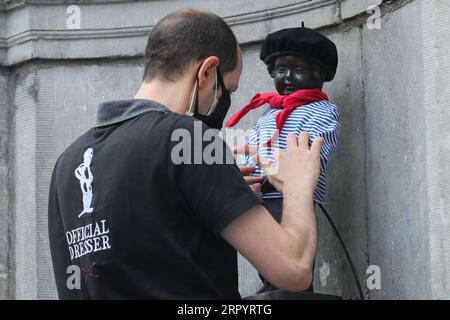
(195, 102)
(218, 110)
(194, 96)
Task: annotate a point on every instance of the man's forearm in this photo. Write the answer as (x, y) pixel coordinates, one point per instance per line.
(299, 221)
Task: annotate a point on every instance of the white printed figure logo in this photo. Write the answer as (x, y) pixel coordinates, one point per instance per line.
(84, 174)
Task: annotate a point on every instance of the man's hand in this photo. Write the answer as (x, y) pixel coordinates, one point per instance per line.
(246, 171)
(253, 181)
(298, 168)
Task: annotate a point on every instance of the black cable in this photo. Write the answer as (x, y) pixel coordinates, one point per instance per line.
(352, 267)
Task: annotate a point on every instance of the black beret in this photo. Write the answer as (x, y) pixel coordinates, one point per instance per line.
(302, 42)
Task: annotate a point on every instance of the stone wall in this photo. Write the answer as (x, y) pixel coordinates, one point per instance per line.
(387, 189)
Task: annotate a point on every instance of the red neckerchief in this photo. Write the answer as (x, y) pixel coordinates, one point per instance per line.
(287, 103)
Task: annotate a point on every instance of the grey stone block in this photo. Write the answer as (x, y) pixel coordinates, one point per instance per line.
(4, 187)
(395, 155)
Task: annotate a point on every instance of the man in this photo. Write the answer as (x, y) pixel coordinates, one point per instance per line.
(168, 230)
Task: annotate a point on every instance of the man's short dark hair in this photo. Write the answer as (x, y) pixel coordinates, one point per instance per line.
(187, 36)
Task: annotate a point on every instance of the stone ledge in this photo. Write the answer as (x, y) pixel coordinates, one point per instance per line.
(28, 33)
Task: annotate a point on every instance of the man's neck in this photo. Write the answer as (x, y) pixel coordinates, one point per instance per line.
(174, 95)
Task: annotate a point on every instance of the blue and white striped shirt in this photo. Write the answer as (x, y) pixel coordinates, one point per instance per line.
(318, 118)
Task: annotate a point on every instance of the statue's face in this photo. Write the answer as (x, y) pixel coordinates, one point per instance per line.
(292, 73)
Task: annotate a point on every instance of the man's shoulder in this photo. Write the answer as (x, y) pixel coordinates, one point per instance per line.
(196, 130)
(74, 148)
(188, 122)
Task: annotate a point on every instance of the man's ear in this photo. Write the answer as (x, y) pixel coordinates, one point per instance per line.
(207, 71)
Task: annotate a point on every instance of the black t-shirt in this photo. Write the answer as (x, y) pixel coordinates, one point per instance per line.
(134, 221)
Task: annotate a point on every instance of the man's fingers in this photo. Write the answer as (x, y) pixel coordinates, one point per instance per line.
(303, 140)
(276, 154)
(317, 145)
(253, 179)
(262, 162)
(259, 160)
(256, 188)
(246, 170)
(291, 141)
(247, 149)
